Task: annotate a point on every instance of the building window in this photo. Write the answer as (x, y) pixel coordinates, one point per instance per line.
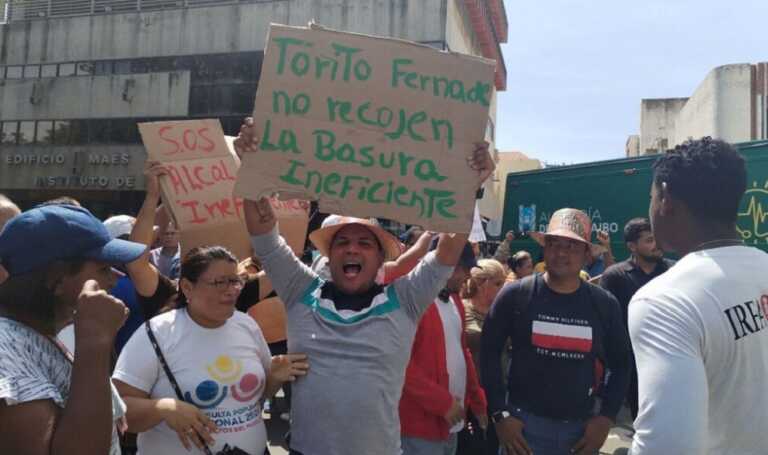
(84, 69)
(122, 67)
(99, 132)
(199, 100)
(139, 66)
(48, 71)
(243, 97)
(26, 133)
(14, 72)
(8, 133)
(66, 69)
(221, 99)
(61, 131)
(102, 68)
(124, 131)
(44, 133)
(32, 71)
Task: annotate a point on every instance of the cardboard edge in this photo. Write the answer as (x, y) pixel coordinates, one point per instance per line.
(313, 26)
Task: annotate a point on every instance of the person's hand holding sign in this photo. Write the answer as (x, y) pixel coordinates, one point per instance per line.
(247, 140)
(482, 162)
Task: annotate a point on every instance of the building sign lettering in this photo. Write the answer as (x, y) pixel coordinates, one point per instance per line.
(93, 182)
(46, 159)
(109, 159)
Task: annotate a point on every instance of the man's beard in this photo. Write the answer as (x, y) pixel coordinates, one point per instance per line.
(652, 257)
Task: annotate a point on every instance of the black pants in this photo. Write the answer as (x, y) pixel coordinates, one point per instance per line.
(632, 393)
(477, 442)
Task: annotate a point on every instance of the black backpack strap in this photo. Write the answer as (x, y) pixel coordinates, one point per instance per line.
(170, 375)
(528, 285)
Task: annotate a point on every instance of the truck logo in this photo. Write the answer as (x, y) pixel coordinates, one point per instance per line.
(754, 217)
(526, 218)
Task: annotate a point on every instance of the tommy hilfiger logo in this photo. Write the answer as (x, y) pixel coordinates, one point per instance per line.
(564, 337)
(748, 318)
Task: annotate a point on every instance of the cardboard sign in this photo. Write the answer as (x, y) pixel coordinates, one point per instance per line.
(293, 217)
(272, 319)
(198, 188)
(369, 126)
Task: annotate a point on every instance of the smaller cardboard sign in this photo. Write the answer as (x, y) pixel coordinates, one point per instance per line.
(272, 319)
(198, 187)
(293, 219)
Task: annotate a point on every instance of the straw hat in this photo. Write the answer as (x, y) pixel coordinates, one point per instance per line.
(569, 223)
(323, 237)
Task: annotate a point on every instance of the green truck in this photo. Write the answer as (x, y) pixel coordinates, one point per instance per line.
(613, 192)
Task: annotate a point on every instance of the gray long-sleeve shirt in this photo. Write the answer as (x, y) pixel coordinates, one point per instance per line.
(348, 402)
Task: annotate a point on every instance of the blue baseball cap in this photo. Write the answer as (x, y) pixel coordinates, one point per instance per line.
(467, 258)
(60, 232)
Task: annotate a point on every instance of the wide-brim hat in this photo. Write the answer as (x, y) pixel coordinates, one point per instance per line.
(572, 224)
(323, 237)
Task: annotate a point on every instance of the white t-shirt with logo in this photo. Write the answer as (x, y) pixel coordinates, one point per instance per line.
(700, 336)
(222, 371)
(455, 362)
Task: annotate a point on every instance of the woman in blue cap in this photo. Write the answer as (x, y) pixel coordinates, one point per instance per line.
(55, 265)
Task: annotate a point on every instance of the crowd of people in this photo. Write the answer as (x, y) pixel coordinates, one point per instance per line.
(385, 345)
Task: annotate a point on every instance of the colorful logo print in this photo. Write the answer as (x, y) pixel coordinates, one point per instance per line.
(227, 378)
(225, 370)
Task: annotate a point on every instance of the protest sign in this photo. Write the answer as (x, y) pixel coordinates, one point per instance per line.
(198, 187)
(293, 216)
(272, 318)
(368, 126)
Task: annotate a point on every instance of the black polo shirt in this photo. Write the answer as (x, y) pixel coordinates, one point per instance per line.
(625, 278)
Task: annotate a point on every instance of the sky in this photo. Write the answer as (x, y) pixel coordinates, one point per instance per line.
(577, 70)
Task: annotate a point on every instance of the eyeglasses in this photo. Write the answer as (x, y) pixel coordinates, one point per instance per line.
(223, 284)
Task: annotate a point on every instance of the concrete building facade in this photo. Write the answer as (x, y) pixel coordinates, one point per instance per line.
(731, 103)
(77, 76)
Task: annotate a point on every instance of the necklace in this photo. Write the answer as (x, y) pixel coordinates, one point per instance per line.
(718, 243)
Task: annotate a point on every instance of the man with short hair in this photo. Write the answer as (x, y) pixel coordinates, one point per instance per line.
(441, 382)
(564, 333)
(625, 278)
(357, 333)
(699, 330)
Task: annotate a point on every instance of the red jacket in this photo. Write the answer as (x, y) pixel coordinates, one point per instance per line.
(426, 397)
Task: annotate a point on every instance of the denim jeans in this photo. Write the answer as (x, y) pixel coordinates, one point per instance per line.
(418, 446)
(549, 436)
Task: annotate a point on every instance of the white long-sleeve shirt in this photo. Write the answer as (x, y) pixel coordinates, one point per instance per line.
(700, 337)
